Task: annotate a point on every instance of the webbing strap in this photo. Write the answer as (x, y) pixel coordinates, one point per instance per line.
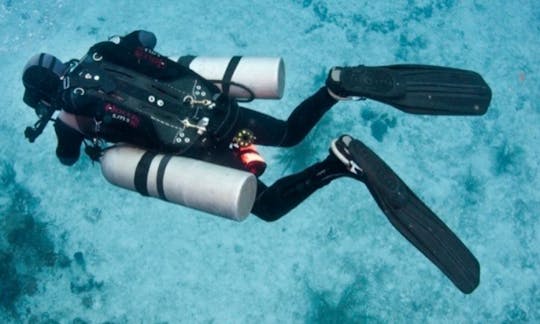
(229, 71)
(141, 173)
(161, 174)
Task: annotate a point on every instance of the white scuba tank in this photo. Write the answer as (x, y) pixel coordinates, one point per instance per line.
(263, 76)
(211, 188)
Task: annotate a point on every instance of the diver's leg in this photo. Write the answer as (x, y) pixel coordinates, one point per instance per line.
(68, 149)
(307, 115)
(274, 132)
(285, 194)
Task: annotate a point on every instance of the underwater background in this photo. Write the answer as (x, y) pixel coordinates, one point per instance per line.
(75, 249)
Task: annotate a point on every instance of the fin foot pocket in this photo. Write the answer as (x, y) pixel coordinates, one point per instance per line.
(415, 89)
(364, 81)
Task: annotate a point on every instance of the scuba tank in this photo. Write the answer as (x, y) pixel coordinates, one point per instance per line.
(241, 77)
(204, 186)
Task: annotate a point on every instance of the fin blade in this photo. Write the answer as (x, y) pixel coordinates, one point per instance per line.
(422, 89)
(414, 220)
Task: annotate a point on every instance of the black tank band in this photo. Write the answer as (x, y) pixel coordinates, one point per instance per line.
(161, 174)
(141, 173)
(229, 71)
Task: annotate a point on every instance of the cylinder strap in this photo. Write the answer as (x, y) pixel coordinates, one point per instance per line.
(141, 173)
(229, 71)
(161, 174)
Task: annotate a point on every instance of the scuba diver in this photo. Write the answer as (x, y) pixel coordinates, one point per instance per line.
(123, 91)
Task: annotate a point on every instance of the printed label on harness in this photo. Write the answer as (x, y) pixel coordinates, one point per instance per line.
(149, 56)
(122, 115)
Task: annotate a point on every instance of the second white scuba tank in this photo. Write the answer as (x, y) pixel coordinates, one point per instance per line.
(204, 186)
(242, 77)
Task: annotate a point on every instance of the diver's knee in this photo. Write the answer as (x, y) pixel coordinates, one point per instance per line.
(267, 213)
(269, 217)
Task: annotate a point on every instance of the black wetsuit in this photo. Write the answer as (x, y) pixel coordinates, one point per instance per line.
(273, 201)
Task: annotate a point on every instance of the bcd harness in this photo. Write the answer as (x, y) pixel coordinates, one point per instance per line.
(140, 96)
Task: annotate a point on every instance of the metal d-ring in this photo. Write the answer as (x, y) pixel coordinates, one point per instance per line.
(79, 91)
(188, 99)
(96, 57)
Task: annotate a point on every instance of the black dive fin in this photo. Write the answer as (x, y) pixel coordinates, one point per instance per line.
(419, 89)
(412, 218)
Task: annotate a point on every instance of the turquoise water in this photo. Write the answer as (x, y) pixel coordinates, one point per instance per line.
(74, 249)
